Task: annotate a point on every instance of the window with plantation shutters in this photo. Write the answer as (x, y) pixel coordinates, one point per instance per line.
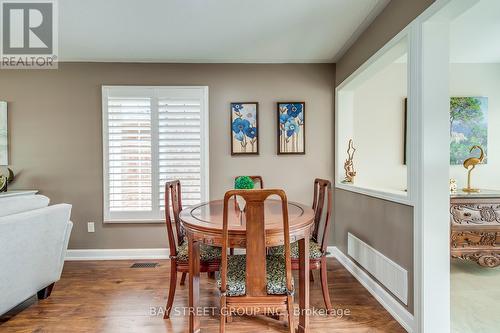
(152, 135)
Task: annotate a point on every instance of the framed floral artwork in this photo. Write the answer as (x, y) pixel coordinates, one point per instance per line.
(291, 128)
(245, 128)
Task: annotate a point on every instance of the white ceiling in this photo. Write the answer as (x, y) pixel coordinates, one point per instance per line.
(246, 31)
(475, 35)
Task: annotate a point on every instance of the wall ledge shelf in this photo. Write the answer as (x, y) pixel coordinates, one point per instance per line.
(17, 193)
(384, 194)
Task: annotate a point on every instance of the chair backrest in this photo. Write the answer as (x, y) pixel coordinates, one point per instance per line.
(322, 188)
(256, 179)
(173, 205)
(256, 276)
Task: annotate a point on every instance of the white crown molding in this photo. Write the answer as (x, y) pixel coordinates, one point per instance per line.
(201, 61)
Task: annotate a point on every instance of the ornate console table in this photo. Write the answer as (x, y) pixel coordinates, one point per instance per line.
(475, 227)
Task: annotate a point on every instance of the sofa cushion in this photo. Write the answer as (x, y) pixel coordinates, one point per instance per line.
(22, 203)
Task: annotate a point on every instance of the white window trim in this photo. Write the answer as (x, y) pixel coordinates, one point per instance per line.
(204, 150)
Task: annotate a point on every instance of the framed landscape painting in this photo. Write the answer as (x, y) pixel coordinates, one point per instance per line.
(4, 152)
(245, 128)
(291, 128)
(468, 127)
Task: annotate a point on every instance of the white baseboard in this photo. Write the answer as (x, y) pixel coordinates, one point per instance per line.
(399, 313)
(117, 254)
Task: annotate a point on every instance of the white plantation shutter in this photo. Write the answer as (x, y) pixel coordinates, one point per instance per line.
(152, 135)
(129, 153)
(180, 146)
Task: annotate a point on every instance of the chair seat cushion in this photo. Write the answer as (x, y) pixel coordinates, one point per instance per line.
(207, 253)
(236, 275)
(314, 250)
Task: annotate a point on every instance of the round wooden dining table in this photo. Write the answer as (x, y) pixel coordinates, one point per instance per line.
(203, 224)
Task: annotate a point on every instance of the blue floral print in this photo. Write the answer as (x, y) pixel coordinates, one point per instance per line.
(294, 110)
(239, 136)
(291, 127)
(291, 119)
(244, 127)
(251, 132)
(240, 125)
(284, 118)
(237, 107)
(301, 116)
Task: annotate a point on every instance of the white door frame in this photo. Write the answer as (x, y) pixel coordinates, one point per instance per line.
(429, 160)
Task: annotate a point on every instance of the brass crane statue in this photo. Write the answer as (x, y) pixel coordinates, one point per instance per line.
(470, 164)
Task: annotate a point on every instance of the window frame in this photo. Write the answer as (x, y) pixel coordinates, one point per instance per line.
(156, 215)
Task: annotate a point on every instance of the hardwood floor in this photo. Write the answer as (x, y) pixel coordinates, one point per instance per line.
(108, 296)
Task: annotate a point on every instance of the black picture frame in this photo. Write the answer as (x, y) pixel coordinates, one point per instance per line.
(248, 142)
(290, 121)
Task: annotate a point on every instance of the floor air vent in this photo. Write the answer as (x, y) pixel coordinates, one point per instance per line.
(144, 265)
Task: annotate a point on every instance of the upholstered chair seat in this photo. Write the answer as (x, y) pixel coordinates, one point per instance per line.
(236, 275)
(207, 253)
(315, 251)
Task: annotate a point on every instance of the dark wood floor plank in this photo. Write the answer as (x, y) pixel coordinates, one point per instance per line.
(108, 296)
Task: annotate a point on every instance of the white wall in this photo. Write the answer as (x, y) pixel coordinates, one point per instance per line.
(480, 80)
(379, 129)
(378, 125)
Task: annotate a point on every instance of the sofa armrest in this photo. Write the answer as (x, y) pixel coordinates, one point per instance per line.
(33, 246)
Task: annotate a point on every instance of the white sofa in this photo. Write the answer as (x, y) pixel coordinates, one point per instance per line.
(33, 242)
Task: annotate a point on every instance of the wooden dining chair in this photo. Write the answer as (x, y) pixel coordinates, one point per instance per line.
(179, 259)
(256, 282)
(317, 246)
(256, 179)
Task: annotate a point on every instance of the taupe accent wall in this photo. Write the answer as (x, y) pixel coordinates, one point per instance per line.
(385, 225)
(56, 142)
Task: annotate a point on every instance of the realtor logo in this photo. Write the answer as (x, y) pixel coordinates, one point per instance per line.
(29, 37)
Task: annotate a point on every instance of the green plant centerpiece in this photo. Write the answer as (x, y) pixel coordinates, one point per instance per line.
(243, 183)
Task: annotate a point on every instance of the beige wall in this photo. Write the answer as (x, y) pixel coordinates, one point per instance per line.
(55, 133)
(387, 226)
(384, 225)
(378, 129)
